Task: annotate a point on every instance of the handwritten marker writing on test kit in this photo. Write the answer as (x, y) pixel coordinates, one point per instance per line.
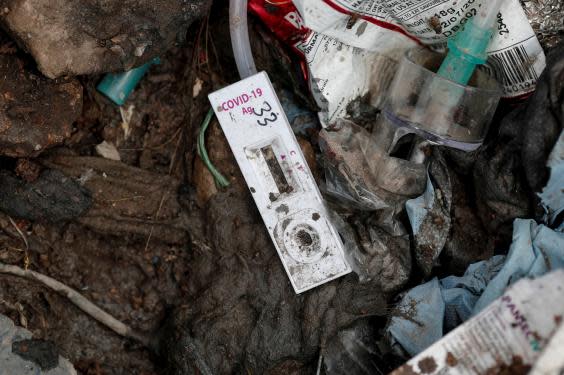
(280, 181)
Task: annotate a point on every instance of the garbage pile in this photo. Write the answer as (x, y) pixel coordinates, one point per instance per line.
(372, 187)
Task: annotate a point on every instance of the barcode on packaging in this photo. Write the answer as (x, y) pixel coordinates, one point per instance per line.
(514, 69)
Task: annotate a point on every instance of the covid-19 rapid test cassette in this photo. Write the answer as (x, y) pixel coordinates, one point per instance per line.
(280, 181)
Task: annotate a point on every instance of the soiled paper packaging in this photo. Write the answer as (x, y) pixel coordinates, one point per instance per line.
(351, 47)
(511, 332)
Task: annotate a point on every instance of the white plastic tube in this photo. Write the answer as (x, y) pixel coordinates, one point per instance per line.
(240, 38)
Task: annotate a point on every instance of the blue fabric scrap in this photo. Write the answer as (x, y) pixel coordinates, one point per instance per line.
(301, 120)
(430, 310)
(535, 250)
(552, 196)
(418, 208)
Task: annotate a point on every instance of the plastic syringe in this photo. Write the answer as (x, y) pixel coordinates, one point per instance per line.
(467, 49)
(443, 94)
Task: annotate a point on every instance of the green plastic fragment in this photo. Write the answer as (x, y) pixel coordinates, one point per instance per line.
(467, 49)
(118, 86)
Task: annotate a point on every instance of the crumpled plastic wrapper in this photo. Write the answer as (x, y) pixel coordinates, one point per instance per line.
(359, 171)
(547, 19)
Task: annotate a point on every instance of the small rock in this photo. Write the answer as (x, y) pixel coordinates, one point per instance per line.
(108, 150)
(87, 37)
(36, 113)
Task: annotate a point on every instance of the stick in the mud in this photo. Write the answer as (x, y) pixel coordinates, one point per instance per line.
(80, 301)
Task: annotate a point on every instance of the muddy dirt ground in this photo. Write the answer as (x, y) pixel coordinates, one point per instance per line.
(151, 231)
(131, 254)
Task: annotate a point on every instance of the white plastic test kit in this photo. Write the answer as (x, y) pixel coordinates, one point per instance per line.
(280, 181)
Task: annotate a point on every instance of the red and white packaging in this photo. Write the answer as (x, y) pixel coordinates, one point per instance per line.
(352, 46)
(282, 18)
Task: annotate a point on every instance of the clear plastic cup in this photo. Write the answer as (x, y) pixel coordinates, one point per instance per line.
(437, 109)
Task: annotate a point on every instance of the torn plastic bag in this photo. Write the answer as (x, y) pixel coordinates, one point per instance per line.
(359, 169)
(352, 351)
(536, 249)
(247, 319)
(391, 162)
(507, 337)
(512, 166)
(429, 215)
(377, 249)
(552, 195)
(52, 197)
